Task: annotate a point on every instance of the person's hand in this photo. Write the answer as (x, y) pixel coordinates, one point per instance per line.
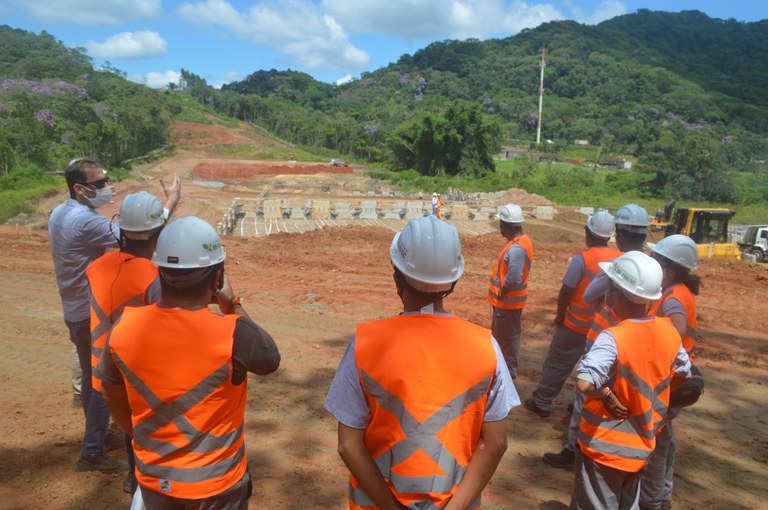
(224, 296)
(612, 404)
(558, 321)
(172, 192)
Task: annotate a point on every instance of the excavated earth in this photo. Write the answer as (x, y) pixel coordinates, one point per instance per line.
(308, 291)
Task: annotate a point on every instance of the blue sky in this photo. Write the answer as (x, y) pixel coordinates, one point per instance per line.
(333, 40)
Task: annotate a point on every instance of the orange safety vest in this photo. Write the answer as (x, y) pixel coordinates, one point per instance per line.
(187, 415)
(426, 380)
(515, 297)
(116, 280)
(647, 351)
(681, 293)
(604, 319)
(579, 315)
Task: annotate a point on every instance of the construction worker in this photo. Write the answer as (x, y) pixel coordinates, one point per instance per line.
(79, 235)
(678, 256)
(422, 382)
(440, 205)
(434, 203)
(574, 316)
(625, 377)
(174, 375)
(125, 278)
(631, 222)
(508, 288)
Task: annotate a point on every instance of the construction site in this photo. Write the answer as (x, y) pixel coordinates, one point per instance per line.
(307, 247)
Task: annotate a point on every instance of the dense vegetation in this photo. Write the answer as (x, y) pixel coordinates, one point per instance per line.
(682, 96)
(54, 106)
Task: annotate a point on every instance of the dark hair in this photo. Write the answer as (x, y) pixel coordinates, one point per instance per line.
(205, 284)
(77, 172)
(595, 240)
(632, 237)
(692, 281)
(425, 298)
(512, 227)
(126, 243)
(682, 274)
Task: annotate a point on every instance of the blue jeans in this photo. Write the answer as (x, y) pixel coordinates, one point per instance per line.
(96, 412)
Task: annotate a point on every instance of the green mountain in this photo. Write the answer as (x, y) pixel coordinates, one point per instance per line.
(683, 94)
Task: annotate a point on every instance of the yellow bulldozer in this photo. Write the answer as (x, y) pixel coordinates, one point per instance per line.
(707, 227)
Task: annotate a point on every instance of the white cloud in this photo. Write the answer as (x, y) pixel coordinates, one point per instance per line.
(228, 77)
(604, 10)
(441, 19)
(127, 46)
(157, 80)
(88, 12)
(345, 79)
(295, 27)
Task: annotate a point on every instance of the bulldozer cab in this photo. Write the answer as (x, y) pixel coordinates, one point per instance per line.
(704, 226)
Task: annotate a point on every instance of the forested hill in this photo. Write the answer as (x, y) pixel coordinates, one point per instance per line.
(721, 55)
(685, 94)
(54, 106)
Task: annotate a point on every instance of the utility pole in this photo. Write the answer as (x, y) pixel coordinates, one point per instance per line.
(541, 95)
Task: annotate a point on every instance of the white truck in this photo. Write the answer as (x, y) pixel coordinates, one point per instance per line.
(754, 241)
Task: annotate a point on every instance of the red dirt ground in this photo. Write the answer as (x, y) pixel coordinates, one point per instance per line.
(237, 171)
(309, 291)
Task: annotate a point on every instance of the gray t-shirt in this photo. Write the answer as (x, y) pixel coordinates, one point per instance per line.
(575, 272)
(516, 258)
(346, 401)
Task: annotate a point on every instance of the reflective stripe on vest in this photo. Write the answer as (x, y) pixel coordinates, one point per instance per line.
(422, 435)
(187, 415)
(514, 297)
(604, 319)
(647, 352)
(579, 315)
(686, 299)
(115, 277)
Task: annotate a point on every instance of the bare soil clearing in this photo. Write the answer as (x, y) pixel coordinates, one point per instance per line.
(309, 291)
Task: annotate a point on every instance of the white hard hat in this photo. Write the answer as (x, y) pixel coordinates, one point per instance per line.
(510, 213)
(428, 253)
(631, 217)
(601, 224)
(434, 194)
(188, 243)
(139, 213)
(680, 249)
(637, 274)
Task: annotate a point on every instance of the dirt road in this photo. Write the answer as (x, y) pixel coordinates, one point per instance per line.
(309, 291)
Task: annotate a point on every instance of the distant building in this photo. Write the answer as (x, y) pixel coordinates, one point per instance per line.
(583, 143)
(544, 156)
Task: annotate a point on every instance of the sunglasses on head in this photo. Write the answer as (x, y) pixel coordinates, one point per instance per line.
(99, 184)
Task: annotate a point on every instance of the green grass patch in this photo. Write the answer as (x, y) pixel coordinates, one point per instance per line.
(17, 201)
(564, 184)
(194, 116)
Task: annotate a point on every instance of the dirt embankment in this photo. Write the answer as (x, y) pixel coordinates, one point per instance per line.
(308, 291)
